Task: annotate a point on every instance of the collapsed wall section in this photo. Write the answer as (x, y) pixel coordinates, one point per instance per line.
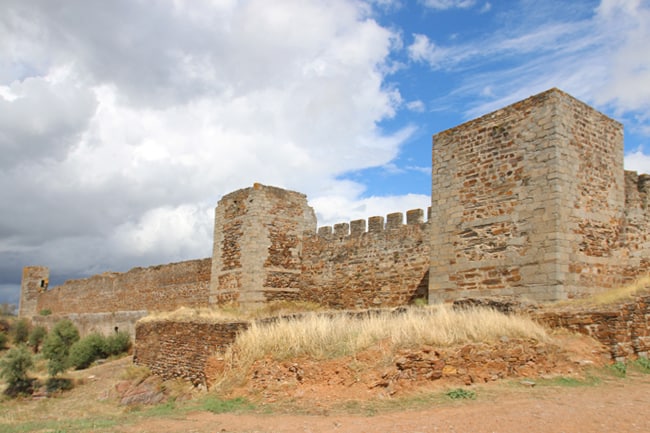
(349, 267)
(527, 201)
(156, 288)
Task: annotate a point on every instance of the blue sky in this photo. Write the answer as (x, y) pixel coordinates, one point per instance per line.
(122, 123)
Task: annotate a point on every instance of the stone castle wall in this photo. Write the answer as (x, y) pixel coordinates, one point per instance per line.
(529, 201)
(351, 267)
(156, 288)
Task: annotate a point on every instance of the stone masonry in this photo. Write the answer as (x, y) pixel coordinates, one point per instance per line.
(529, 201)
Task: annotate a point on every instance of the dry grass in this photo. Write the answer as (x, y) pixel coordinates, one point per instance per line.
(321, 336)
(613, 296)
(641, 285)
(229, 313)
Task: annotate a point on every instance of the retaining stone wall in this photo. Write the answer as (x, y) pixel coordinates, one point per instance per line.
(181, 349)
(624, 329)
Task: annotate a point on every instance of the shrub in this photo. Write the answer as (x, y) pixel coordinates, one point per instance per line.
(3, 340)
(21, 331)
(13, 368)
(54, 384)
(85, 351)
(36, 338)
(95, 346)
(45, 312)
(56, 347)
(117, 343)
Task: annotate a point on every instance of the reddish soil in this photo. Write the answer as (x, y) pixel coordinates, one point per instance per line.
(507, 399)
(617, 406)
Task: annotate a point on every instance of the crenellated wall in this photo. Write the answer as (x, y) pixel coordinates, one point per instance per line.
(528, 201)
(351, 267)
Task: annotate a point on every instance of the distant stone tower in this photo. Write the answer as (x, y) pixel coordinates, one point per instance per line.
(35, 281)
(258, 236)
(528, 201)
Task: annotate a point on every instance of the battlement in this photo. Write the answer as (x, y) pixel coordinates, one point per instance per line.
(529, 201)
(375, 224)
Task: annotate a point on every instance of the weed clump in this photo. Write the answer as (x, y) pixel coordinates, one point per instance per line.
(461, 394)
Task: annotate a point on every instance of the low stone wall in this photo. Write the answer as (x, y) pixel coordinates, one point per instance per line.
(180, 349)
(623, 328)
(185, 349)
(103, 323)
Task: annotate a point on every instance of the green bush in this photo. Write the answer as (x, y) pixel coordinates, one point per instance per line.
(3, 340)
(85, 351)
(45, 312)
(13, 368)
(54, 384)
(117, 343)
(57, 344)
(21, 331)
(36, 338)
(95, 346)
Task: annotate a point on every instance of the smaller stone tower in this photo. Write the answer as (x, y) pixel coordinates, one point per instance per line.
(257, 254)
(35, 281)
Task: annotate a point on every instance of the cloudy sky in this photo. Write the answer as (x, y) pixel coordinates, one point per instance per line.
(123, 122)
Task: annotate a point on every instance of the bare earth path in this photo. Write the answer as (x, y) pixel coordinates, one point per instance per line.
(617, 405)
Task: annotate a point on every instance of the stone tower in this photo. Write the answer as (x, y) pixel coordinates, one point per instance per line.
(35, 281)
(258, 235)
(529, 201)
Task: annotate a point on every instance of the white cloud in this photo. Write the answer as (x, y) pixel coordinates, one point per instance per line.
(338, 208)
(123, 123)
(601, 58)
(424, 50)
(637, 161)
(448, 4)
(417, 106)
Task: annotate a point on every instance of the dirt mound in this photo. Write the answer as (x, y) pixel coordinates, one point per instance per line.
(375, 373)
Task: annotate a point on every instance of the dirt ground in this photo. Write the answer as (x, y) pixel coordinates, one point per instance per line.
(508, 405)
(617, 405)
(512, 404)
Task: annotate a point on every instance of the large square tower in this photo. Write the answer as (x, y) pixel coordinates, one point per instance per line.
(528, 201)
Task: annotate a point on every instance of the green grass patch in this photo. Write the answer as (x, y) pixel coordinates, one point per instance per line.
(571, 382)
(642, 365)
(71, 426)
(618, 369)
(461, 394)
(217, 405)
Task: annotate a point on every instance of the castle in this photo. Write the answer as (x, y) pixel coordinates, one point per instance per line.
(530, 201)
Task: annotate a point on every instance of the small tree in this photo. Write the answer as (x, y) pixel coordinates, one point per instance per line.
(3, 341)
(36, 338)
(13, 368)
(56, 346)
(21, 331)
(85, 351)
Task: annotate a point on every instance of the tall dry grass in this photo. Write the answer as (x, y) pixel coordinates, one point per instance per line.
(321, 336)
(229, 313)
(641, 285)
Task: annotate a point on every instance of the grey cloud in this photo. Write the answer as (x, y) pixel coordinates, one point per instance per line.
(44, 121)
